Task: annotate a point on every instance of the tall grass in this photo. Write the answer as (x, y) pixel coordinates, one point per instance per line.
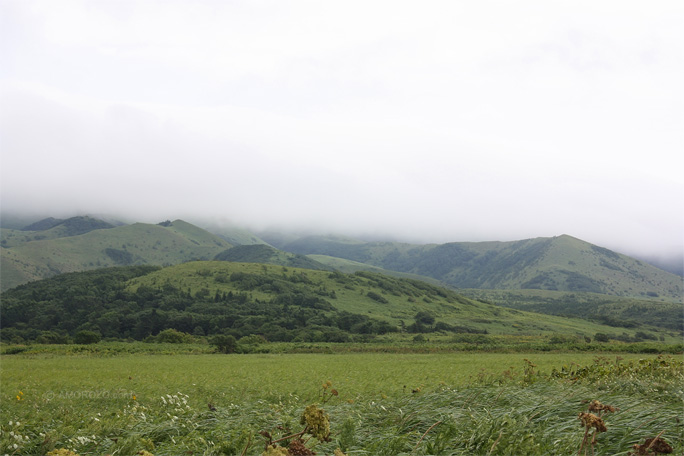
(174, 405)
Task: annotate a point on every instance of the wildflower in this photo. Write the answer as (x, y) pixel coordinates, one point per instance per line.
(275, 450)
(338, 452)
(61, 452)
(317, 422)
(590, 420)
(135, 398)
(297, 448)
(596, 406)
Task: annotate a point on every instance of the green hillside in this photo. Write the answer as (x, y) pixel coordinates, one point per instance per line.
(279, 303)
(43, 225)
(139, 243)
(51, 228)
(560, 263)
(261, 253)
(615, 311)
(70, 227)
(349, 266)
(390, 299)
(232, 234)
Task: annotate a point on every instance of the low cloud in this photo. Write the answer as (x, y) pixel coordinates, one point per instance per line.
(457, 122)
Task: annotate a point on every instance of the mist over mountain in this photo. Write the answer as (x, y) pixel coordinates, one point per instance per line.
(673, 263)
(51, 245)
(430, 125)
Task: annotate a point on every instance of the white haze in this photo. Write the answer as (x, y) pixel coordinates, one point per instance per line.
(434, 121)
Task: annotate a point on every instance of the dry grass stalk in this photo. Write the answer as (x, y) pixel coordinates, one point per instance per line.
(652, 446)
(589, 421)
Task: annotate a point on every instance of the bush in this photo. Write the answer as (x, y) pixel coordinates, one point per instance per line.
(425, 318)
(87, 337)
(376, 297)
(253, 339)
(601, 337)
(51, 337)
(224, 343)
(173, 336)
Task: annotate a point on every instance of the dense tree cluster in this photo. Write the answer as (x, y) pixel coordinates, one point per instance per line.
(98, 303)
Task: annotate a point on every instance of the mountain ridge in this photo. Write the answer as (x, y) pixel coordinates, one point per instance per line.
(262, 253)
(276, 302)
(138, 243)
(561, 263)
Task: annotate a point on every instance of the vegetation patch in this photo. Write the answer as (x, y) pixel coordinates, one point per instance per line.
(212, 405)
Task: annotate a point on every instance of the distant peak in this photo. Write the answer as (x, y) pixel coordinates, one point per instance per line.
(43, 225)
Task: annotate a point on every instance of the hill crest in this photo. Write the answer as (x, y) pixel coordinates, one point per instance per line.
(562, 263)
(27, 256)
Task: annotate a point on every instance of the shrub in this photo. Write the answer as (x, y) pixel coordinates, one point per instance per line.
(376, 297)
(51, 337)
(253, 339)
(224, 343)
(601, 337)
(173, 336)
(425, 318)
(87, 337)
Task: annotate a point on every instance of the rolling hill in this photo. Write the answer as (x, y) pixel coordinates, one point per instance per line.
(616, 311)
(33, 255)
(349, 266)
(558, 276)
(279, 303)
(261, 253)
(51, 228)
(561, 263)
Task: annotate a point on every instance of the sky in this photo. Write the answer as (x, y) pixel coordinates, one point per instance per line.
(427, 121)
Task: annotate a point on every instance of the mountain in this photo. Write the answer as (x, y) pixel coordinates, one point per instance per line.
(43, 225)
(230, 233)
(70, 227)
(349, 266)
(52, 228)
(566, 264)
(562, 263)
(615, 311)
(673, 263)
(261, 253)
(32, 255)
(279, 303)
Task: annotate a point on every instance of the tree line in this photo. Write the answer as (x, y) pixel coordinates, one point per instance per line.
(75, 306)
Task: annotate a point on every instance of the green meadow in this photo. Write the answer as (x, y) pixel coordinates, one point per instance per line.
(374, 403)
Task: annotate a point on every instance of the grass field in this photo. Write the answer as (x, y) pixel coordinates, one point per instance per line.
(480, 403)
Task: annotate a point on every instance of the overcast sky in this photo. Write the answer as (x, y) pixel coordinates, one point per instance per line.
(436, 121)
